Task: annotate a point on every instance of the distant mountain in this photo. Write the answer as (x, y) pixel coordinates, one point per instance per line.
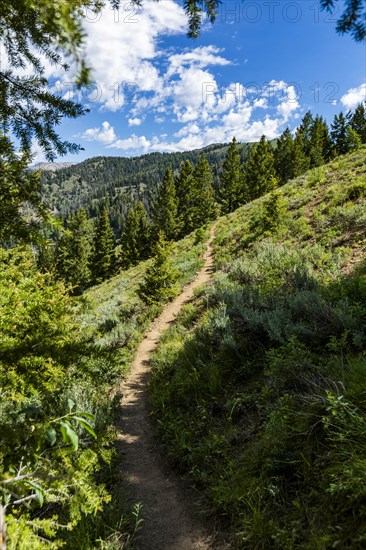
(51, 166)
(119, 181)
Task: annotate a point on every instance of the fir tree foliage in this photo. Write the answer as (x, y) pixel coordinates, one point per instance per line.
(353, 18)
(103, 258)
(164, 211)
(300, 147)
(135, 237)
(305, 130)
(32, 34)
(354, 141)
(184, 186)
(358, 121)
(320, 143)
(74, 252)
(285, 158)
(231, 181)
(339, 131)
(260, 175)
(203, 204)
(196, 10)
(21, 205)
(159, 284)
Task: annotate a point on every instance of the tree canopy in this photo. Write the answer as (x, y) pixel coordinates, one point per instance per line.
(353, 18)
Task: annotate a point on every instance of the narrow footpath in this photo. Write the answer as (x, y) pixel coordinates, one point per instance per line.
(169, 520)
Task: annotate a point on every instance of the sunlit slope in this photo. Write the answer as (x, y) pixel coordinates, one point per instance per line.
(325, 206)
(260, 388)
(115, 318)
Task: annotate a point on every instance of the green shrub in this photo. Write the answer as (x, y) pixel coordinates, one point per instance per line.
(316, 177)
(160, 280)
(261, 398)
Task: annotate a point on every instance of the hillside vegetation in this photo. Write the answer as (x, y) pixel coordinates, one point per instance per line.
(61, 358)
(119, 180)
(259, 390)
(254, 388)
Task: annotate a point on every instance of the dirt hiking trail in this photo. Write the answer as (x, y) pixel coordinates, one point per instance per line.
(169, 521)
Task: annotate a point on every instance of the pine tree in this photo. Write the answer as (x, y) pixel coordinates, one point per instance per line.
(339, 134)
(103, 258)
(301, 160)
(159, 284)
(73, 252)
(184, 186)
(135, 237)
(164, 211)
(143, 231)
(231, 181)
(21, 205)
(203, 204)
(305, 129)
(358, 121)
(46, 257)
(352, 18)
(320, 143)
(260, 176)
(285, 160)
(353, 139)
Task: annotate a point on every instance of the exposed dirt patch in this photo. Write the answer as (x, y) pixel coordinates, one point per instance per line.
(170, 518)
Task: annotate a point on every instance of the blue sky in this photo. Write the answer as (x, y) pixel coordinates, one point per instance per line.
(255, 71)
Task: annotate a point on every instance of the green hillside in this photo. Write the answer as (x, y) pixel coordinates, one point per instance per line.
(61, 361)
(259, 390)
(120, 180)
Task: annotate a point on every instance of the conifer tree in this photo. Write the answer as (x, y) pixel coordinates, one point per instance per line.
(353, 139)
(21, 205)
(203, 204)
(184, 187)
(103, 258)
(231, 181)
(305, 129)
(160, 281)
(302, 161)
(135, 237)
(320, 144)
(339, 134)
(260, 176)
(74, 252)
(358, 121)
(285, 160)
(164, 211)
(143, 231)
(46, 257)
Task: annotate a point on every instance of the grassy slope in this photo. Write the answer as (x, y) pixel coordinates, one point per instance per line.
(113, 320)
(115, 317)
(260, 388)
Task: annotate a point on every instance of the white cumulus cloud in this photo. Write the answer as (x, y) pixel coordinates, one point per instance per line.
(105, 134)
(134, 121)
(354, 96)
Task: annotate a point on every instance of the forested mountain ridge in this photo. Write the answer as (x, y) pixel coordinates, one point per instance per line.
(188, 195)
(120, 180)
